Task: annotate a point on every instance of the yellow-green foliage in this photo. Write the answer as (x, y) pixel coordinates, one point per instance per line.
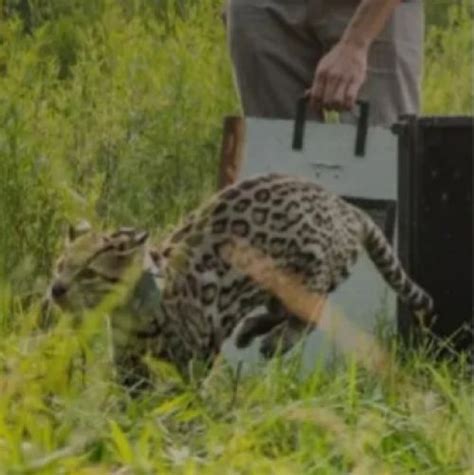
(115, 117)
(111, 110)
(61, 413)
(448, 85)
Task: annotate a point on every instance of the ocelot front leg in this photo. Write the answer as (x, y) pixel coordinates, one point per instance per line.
(133, 373)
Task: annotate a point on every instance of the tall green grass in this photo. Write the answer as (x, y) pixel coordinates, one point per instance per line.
(112, 110)
(448, 87)
(58, 415)
(115, 117)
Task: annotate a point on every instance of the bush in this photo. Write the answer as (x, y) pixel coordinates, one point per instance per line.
(448, 79)
(112, 110)
(117, 118)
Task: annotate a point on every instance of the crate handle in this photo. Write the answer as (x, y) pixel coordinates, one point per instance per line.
(361, 130)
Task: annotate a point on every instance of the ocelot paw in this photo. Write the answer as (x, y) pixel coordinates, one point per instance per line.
(282, 338)
(255, 326)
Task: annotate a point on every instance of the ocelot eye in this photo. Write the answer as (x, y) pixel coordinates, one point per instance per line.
(60, 265)
(88, 274)
(121, 247)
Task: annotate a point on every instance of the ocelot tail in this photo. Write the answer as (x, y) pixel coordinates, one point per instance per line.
(187, 299)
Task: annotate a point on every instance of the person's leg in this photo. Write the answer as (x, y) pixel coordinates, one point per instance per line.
(395, 59)
(273, 54)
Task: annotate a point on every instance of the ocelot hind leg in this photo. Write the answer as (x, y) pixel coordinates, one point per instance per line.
(283, 337)
(281, 330)
(291, 329)
(272, 314)
(255, 326)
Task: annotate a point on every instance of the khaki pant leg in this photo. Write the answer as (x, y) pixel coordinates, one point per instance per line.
(395, 60)
(273, 54)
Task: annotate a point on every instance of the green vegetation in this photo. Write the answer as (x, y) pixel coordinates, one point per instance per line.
(448, 76)
(112, 110)
(346, 420)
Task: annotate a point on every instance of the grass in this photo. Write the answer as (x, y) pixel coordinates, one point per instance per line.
(112, 111)
(58, 417)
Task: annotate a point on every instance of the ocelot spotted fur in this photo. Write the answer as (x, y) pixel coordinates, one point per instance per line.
(188, 299)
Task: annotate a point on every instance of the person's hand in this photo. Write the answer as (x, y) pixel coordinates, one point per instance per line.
(339, 77)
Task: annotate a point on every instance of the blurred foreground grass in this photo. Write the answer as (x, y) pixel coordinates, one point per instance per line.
(57, 416)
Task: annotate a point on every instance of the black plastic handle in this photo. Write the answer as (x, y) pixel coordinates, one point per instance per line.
(362, 128)
(361, 131)
(300, 120)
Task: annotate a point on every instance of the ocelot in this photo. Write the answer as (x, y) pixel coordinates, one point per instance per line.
(188, 299)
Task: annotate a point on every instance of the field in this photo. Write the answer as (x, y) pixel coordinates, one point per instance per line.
(111, 110)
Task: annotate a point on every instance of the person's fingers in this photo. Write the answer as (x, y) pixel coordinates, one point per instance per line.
(316, 109)
(337, 101)
(351, 94)
(332, 85)
(318, 90)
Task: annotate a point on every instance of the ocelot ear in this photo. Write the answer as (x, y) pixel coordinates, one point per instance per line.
(127, 239)
(139, 238)
(76, 230)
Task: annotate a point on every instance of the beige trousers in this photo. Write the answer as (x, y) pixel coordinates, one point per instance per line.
(275, 46)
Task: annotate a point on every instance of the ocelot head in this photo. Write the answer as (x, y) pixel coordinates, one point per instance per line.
(93, 264)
